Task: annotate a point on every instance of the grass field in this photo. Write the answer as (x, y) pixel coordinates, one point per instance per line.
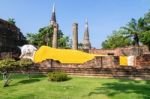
(76, 88)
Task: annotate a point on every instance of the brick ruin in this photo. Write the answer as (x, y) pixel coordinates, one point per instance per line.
(10, 38)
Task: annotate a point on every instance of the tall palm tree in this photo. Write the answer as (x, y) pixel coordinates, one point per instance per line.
(134, 28)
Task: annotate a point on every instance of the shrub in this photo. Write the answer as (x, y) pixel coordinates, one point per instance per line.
(57, 76)
(25, 64)
(5, 67)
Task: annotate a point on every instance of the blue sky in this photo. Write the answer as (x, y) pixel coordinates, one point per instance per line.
(104, 16)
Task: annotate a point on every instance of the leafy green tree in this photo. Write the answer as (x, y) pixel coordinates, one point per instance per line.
(80, 45)
(117, 39)
(5, 67)
(139, 30)
(145, 38)
(32, 38)
(64, 42)
(106, 45)
(145, 35)
(44, 37)
(12, 21)
(134, 28)
(147, 18)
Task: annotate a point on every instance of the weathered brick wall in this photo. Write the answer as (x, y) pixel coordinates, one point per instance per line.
(105, 62)
(143, 61)
(122, 51)
(103, 66)
(101, 51)
(98, 62)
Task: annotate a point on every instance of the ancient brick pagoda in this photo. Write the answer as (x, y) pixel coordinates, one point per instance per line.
(86, 40)
(10, 37)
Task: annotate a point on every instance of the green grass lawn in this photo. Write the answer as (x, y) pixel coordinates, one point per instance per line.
(76, 88)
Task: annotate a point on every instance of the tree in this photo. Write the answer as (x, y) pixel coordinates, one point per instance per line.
(117, 39)
(145, 35)
(134, 28)
(12, 21)
(139, 30)
(145, 38)
(106, 45)
(5, 66)
(44, 37)
(147, 18)
(64, 42)
(32, 38)
(80, 45)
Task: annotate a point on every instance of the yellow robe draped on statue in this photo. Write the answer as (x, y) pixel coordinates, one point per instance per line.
(62, 55)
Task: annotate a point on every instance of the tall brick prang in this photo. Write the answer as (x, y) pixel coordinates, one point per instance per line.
(86, 41)
(55, 26)
(53, 17)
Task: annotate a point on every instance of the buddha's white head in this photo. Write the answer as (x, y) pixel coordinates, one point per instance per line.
(27, 51)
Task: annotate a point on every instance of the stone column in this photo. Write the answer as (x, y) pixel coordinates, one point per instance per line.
(75, 36)
(55, 34)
